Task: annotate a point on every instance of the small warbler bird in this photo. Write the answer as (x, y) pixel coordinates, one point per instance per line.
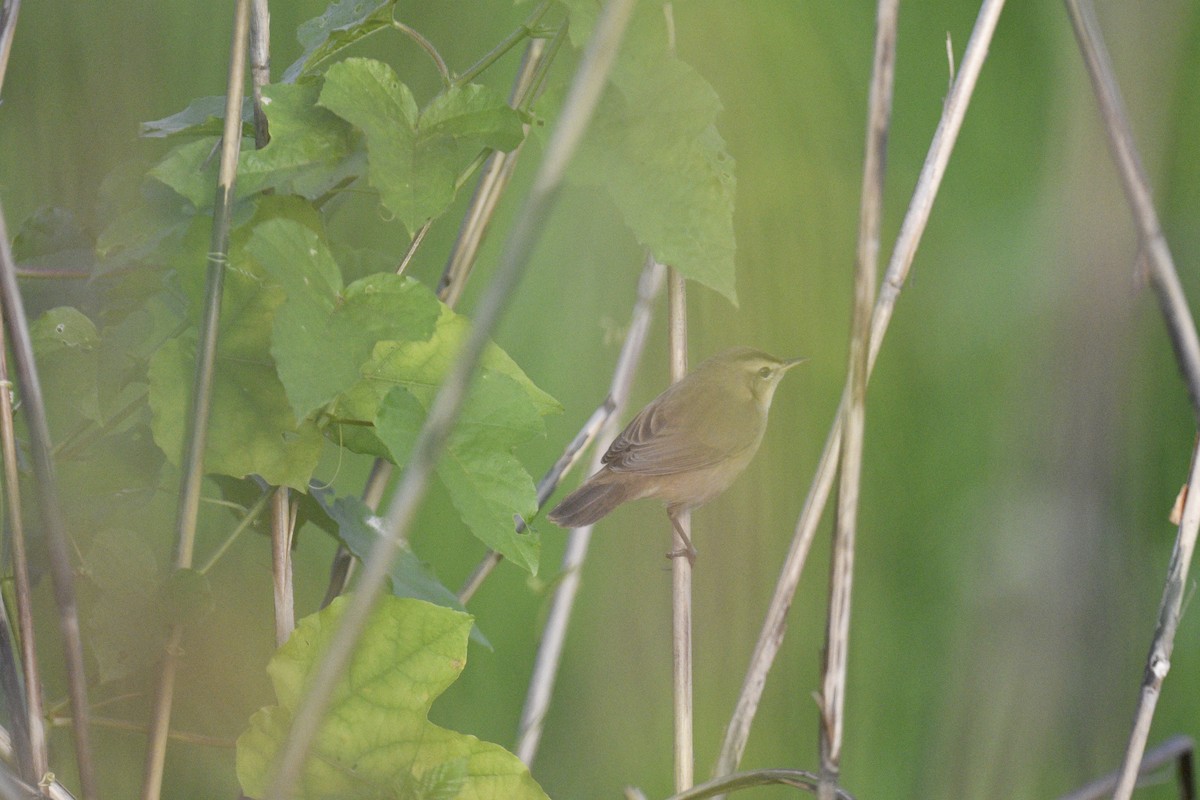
(688, 444)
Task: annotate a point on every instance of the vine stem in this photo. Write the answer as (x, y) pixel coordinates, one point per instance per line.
(1182, 331)
(837, 632)
(604, 425)
(911, 229)
(201, 402)
(580, 103)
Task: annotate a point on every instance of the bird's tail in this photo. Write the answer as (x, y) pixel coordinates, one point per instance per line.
(594, 499)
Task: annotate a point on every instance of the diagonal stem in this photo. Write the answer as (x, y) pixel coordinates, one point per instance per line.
(550, 648)
(1182, 331)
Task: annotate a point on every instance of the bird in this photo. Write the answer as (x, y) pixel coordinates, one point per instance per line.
(688, 444)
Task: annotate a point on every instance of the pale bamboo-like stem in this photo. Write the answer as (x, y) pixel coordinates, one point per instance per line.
(580, 104)
(1177, 749)
(775, 624)
(281, 565)
(54, 530)
(549, 654)
(260, 67)
(681, 567)
(39, 757)
(1182, 331)
(837, 632)
(192, 463)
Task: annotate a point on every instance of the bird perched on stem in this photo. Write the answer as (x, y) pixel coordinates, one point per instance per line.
(688, 444)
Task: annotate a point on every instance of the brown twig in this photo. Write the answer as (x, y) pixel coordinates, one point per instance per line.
(837, 632)
(260, 67)
(919, 208)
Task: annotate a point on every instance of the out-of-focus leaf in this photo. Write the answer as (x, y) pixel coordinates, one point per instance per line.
(123, 626)
(253, 428)
(65, 342)
(654, 146)
(415, 157)
(377, 741)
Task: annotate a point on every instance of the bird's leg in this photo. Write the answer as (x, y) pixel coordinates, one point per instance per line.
(689, 551)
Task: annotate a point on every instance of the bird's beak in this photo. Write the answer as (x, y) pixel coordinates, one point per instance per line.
(792, 362)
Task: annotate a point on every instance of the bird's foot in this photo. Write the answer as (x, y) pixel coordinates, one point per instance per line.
(688, 552)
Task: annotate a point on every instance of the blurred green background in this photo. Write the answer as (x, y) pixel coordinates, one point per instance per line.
(1027, 430)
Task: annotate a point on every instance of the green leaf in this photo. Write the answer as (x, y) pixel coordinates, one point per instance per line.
(122, 623)
(311, 150)
(342, 24)
(252, 430)
(204, 115)
(323, 335)
(655, 148)
(415, 157)
(486, 482)
(376, 739)
(65, 342)
(358, 528)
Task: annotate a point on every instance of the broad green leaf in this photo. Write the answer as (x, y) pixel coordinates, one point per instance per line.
(415, 157)
(358, 528)
(310, 151)
(252, 430)
(420, 368)
(654, 146)
(376, 739)
(486, 482)
(342, 24)
(50, 232)
(323, 334)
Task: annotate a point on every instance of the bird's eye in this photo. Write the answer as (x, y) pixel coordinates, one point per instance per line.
(764, 373)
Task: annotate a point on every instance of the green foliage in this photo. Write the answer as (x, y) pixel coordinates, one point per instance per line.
(377, 741)
(343, 23)
(655, 148)
(416, 156)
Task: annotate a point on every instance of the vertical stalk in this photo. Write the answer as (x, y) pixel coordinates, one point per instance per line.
(681, 568)
(281, 565)
(192, 464)
(837, 634)
(39, 758)
(260, 67)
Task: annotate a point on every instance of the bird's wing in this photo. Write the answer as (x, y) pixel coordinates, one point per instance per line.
(660, 441)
